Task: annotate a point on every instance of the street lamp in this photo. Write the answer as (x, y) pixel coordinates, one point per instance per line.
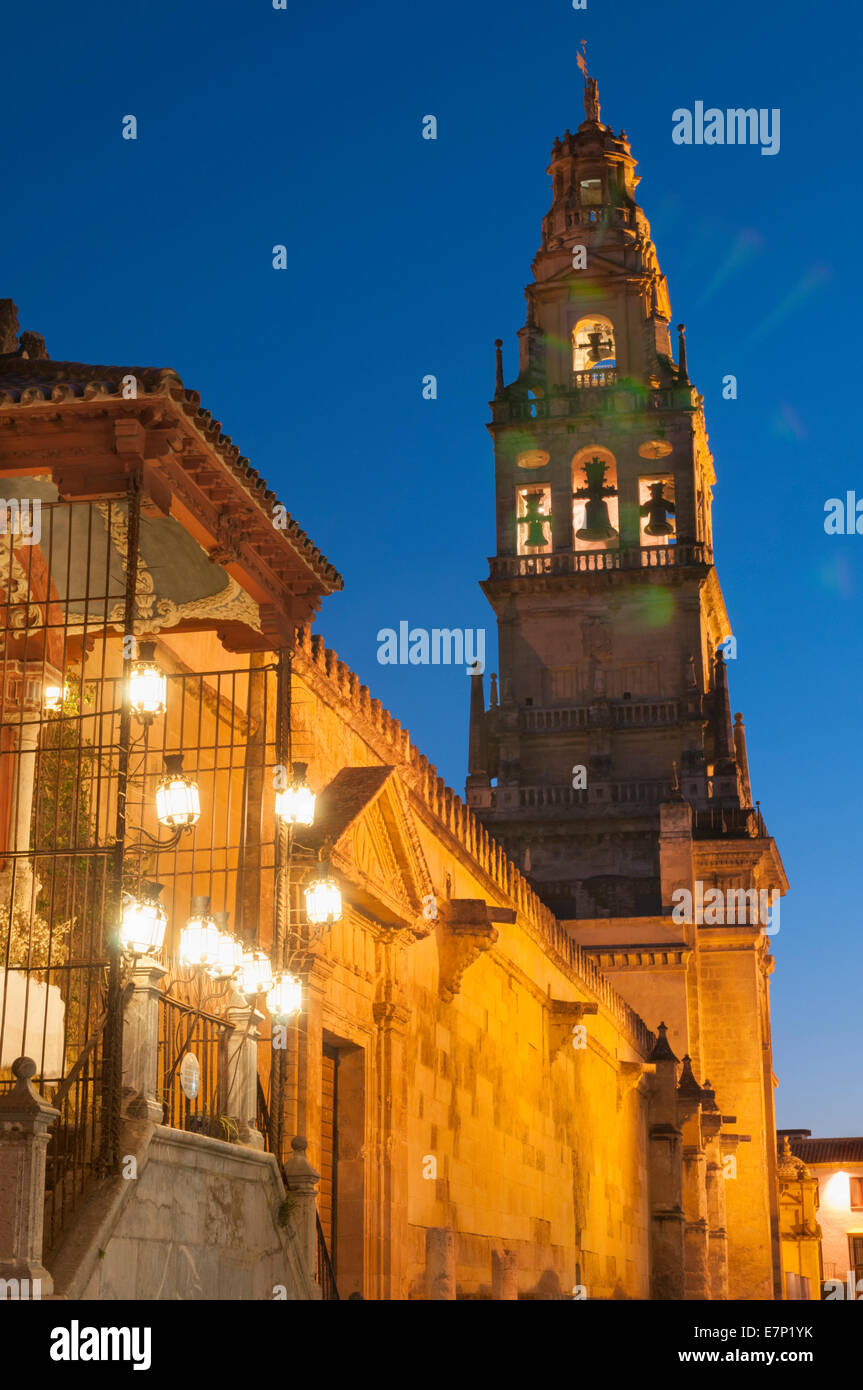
(256, 973)
(54, 697)
(323, 898)
(295, 805)
(230, 957)
(148, 687)
(199, 939)
(143, 922)
(286, 996)
(178, 802)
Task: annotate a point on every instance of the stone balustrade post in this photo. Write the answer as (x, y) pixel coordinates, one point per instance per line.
(141, 1038)
(301, 1182)
(25, 1119)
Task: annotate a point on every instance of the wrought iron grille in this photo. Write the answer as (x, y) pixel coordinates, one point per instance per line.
(78, 826)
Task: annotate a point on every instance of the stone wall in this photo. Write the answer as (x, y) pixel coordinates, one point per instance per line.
(201, 1221)
(486, 1155)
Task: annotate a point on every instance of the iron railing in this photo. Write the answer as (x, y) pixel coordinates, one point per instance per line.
(193, 1092)
(78, 824)
(324, 1271)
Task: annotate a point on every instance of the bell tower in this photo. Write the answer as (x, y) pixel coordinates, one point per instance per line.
(608, 606)
(608, 763)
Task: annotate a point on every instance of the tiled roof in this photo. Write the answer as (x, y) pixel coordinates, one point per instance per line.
(339, 804)
(827, 1150)
(25, 382)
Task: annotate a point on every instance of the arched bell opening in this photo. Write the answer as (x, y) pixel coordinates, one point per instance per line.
(593, 346)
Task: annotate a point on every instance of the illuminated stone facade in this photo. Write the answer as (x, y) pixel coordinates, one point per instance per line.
(500, 1069)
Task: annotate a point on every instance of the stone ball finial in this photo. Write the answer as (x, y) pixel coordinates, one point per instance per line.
(298, 1144)
(24, 1068)
(498, 342)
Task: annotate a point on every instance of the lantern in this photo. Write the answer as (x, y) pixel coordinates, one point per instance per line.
(142, 928)
(230, 957)
(256, 973)
(295, 805)
(199, 939)
(54, 698)
(323, 899)
(148, 688)
(286, 996)
(178, 803)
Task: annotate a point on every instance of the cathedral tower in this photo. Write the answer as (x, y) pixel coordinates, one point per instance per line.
(608, 763)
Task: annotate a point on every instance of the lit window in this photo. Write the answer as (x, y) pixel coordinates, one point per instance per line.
(591, 192)
(857, 1193)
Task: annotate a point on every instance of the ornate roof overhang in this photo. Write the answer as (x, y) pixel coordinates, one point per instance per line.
(78, 425)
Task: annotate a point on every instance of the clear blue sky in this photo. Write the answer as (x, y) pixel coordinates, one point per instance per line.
(406, 257)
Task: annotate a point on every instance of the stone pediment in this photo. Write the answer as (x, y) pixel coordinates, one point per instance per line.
(364, 824)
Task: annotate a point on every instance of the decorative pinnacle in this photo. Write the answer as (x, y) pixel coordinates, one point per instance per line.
(662, 1049)
(682, 370)
(498, 379)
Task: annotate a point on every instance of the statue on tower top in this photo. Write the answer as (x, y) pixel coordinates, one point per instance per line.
(591, 86)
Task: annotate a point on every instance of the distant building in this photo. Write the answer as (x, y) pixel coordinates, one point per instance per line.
(837, 1165)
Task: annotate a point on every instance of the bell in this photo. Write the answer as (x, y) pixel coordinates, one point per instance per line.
(656, 509)
(597, 348)
(597, 523)
(534, 520)
(535, 533)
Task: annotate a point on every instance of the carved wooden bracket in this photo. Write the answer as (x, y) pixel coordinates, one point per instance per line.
(466, 930)
(564, 1015)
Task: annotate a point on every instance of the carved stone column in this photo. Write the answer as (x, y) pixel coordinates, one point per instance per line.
(141, 1039)
(690, 1099)
(717, 1254)
(392, 1154)
(665, 1177)
(315, 971)
(718, 1247)
(25, 1119)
